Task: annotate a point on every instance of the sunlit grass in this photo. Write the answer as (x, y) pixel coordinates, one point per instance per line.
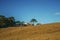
(39, 32)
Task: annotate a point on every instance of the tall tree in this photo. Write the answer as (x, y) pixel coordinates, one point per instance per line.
(2, 21)
(6, 22)
(11, 21)
(33, 21)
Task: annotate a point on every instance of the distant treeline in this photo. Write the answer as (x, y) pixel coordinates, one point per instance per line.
(9, 22)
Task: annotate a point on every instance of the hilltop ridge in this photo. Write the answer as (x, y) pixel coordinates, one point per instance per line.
(39, 32)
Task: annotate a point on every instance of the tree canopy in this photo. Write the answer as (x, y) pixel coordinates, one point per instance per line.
(33, 21)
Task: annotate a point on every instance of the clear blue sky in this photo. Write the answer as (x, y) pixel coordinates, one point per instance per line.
(45, 11)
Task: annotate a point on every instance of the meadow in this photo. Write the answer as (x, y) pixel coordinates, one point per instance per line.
(49, 31)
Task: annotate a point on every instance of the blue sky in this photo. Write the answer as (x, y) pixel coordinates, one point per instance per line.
(44, 11)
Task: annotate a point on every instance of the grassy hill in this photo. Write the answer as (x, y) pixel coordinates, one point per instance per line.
(40, 32)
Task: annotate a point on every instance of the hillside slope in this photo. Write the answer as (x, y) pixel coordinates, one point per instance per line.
(39, 32)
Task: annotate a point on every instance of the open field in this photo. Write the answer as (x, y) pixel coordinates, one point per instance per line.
(38, 32)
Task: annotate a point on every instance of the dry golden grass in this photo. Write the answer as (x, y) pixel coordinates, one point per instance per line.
(39, 32)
